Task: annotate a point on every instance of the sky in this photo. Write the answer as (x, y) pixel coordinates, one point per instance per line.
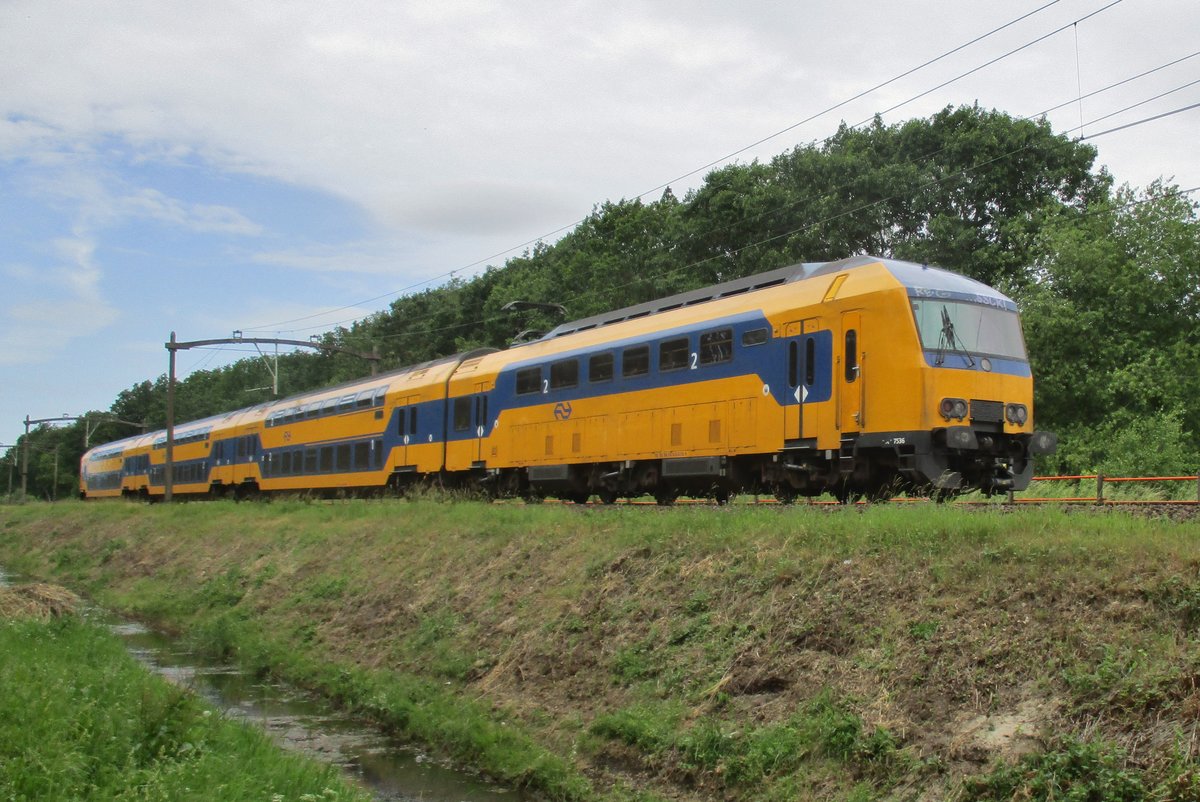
(281, 168)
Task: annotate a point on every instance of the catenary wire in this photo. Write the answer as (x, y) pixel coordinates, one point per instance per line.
(924, 157)
(793, 231)
(1141, 122)
(987, 64)
(560, 229)
(1122, 82)
(767, 240)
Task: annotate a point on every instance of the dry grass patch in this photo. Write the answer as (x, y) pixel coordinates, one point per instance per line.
(37, 600)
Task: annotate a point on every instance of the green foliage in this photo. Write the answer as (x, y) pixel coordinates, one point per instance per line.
(1111, 331)
(749, 757)
(1077, 771)
(651, 727)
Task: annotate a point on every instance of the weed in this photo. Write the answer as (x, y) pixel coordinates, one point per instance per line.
(649, 727)
(328, 587)
(1076, 770)
(923, 630)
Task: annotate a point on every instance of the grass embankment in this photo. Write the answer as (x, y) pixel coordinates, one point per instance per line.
(745, 653)
(80, 719)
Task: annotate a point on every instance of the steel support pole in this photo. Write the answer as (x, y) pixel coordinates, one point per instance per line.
(25, 462)
(169, 467)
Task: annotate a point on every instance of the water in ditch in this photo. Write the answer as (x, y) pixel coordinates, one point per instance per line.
(304, 723)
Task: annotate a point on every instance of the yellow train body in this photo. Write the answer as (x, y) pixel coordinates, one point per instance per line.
(860, 376)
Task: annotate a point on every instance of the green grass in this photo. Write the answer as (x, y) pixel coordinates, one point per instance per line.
(80, 719)
(752, 653)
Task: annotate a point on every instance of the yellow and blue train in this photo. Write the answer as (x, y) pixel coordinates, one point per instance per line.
(857, 377)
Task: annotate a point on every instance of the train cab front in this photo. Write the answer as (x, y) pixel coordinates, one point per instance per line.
(978, 397)
(975, 451)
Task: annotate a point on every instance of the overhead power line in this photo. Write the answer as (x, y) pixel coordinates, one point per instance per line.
(1142, 121)
(690, 173)
(987, 64)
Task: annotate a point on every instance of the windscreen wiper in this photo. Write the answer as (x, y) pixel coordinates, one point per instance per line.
(950, 340)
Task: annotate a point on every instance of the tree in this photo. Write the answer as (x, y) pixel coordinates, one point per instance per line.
(1113, 322)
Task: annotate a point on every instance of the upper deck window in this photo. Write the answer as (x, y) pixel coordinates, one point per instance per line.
(716, 346)
(529, 380)
(564, 374)
(673, 354)
(979, 330)
(635, 361)
(600, 368)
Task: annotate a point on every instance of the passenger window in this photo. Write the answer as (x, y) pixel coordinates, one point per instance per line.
(600, 368)
(343, 457)
(529, 381)
(462, 414)
(754, 337)
(380, 394)
(365, 399)
(793, 364)
(362, 456)
(400, 421)
(564, 375)
(716, 346)
(412, 420)
(851, 355)
(326, 458)
(635, 361)
(673, 354)
(810, 361)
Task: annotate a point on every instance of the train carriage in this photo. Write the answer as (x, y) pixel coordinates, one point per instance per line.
(854, 377)
(863, 376)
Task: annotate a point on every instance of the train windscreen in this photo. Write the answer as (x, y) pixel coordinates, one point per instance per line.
(978, 330)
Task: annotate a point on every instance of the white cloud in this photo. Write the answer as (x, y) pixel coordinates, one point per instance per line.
(152, 204)
(52, 308)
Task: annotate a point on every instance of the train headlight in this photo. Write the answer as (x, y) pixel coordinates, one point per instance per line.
(1016, 414)
(953, 408)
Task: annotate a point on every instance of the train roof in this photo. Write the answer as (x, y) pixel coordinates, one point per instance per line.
(915, 277)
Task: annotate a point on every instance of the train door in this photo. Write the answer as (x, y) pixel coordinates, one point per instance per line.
(850, 379)
(480, 418)
(407, 426)
(804, 379)
(247, 456)
(220, 473)
(793, 414)
(809, 375)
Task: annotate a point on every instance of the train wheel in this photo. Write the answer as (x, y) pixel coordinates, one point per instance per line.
(785, 494)
(665, 496)
(579, 498)
(607, 496)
